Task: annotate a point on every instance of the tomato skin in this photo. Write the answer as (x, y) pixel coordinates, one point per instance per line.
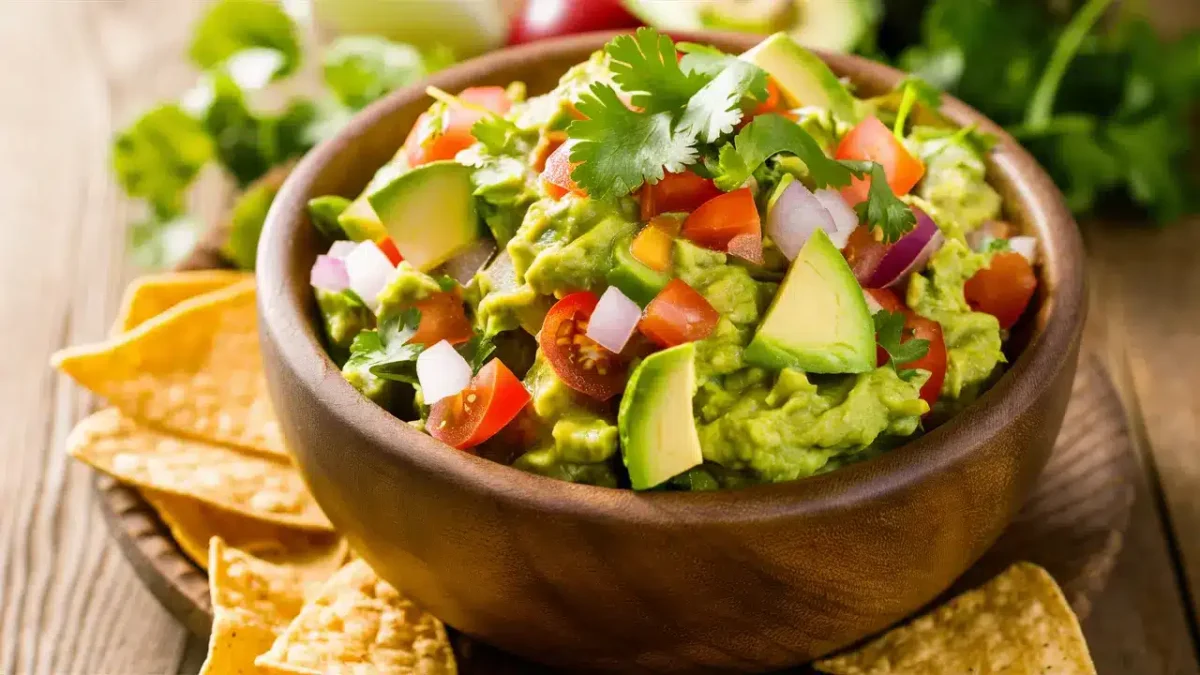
(425, 143)
(887, 299)
(463, 422)
(718, 221)
(547, 144)
(678, 314)
(873, 141)
(934, 360)
(556, 177)
(864, 253)
(677, 192)
(538, 19)
(580, 362)
(442, 318)
(1003, 289)
(772, 104)
(389, 249)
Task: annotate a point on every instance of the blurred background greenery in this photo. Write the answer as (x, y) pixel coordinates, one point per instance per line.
(1103, 100)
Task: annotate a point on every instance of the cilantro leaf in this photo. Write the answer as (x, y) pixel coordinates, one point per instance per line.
(915, 90)
(359, 69)
(890, 333)
(644, 64)
(996, 245)
(882, 208)
(713, 111)
(159, 156)
(618, 149)
(231, 27)
(478, 350)
(769, 135)
(498, 135)
(703, 59)
(385, 352)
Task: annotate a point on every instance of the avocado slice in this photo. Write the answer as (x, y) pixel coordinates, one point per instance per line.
(818, 321)
(657, 430)
(634, 278)
(358, 219)
(802, 76)
(429, 212)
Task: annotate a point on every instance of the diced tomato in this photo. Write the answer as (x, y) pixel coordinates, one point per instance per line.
(864, 253)
(556, 177)
(680, 192)
(429, 142)
(774, 100)
(920, 328)
(547, 144)
(490, 402)
(652, 246)
(1003, 289)
(389, 249)
(678, 314)
(721, 219)
(873, 141)
(580, 362)
(442, 318)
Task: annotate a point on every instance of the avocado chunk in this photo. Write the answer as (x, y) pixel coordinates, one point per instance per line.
(429, 212)
(819, 321)
(657, 430)
(634, 278)
(802, 76)
(358, 219)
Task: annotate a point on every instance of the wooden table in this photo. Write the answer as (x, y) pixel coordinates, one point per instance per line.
(72, 71)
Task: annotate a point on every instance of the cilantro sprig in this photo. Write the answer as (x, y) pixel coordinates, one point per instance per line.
(386, 352)
(890, 333)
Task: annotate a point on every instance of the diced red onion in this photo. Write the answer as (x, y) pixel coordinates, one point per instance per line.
(368, 269)
(442, 372)
(614, 320)
(1026, 246)
(909, 254)
(329, 274)
(342, 248)
(793, 216)
(844, 217)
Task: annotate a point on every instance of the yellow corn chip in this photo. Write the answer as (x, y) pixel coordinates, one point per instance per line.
(194, 369)
(194, 523)
(250, 485)
(148, 296)
(253, 601)
(1017, 624)
(359, 624)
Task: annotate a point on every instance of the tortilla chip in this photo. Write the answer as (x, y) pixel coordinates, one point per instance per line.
(193, 524)
(246, 484)
(148, 296)
(359, 624)
(195, 369)
(253, 601)
(1017, 624)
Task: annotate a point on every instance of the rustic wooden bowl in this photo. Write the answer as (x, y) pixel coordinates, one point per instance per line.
(600, 579)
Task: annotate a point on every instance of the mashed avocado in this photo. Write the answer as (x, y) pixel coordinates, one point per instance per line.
(345, 316)
(955, 177)
(407, 286)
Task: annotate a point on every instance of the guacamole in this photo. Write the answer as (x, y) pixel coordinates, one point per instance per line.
(672, 294)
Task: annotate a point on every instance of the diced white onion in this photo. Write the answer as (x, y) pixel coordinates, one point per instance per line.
(1026, 246)
(844, 217)
(329, 274)
(442, 372)
(342, 248)
(872, 304)
(369, 270)
(614, 320)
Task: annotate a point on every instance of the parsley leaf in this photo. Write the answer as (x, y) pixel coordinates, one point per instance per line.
(768, 135)
(890, 333)
(385, 352)
(619, 149)
(159, 156)
(644, 64)
(232, 27)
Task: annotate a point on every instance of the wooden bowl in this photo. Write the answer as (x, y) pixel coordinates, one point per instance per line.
(600, 579)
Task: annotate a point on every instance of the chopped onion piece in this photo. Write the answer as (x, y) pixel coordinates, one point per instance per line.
(368, 269)
(873, 305)
(844, 217)
(329, 274)
(342, 248)
(793, 215)
(614, 320)
(909, 254)
(1026, 246)
(442, 372)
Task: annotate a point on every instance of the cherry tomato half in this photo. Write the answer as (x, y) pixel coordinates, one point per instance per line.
(580, 362)
(1002, 289)
(721, 220)
(873, 141)
(680, 192)
(919, 328)
(439, 137)
(538, 19)
(678, 314)
(475, 414)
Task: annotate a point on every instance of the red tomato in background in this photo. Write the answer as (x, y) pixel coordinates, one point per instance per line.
(934, 360)
(873, 141)
(728, 222)
(425, 143)
(1003, 289)
(579, 361)
(539, 19)
(678, 314)
(682, 192)
(475, 414)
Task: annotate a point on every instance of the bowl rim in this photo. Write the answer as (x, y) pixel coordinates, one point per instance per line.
(1057, 330)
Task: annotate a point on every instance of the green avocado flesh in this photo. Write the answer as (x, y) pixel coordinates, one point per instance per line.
(637, 281)
(429, 212)
(819, 321)
(657, 431)
(802, 76)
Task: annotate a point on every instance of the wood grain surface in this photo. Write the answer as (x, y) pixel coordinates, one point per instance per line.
(75, 70)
